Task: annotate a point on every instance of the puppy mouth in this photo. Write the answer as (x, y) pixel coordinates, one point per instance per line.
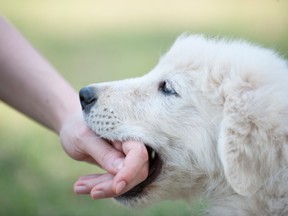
(155, 166)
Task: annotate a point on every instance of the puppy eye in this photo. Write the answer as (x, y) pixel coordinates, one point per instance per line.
(166, 88)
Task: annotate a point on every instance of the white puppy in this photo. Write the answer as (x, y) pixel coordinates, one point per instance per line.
(214, 117)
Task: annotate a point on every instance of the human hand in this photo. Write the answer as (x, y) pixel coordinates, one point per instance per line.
(126, 163)
(133, 171)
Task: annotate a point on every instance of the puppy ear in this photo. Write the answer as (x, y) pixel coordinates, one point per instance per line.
(243, 144)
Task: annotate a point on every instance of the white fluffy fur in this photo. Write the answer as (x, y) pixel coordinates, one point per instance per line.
(223, 138)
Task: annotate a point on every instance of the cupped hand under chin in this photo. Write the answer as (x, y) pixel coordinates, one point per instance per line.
(132, 169)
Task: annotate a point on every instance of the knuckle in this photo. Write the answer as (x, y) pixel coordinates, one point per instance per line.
(144, 154)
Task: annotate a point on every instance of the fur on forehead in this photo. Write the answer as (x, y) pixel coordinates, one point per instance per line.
(194, 50)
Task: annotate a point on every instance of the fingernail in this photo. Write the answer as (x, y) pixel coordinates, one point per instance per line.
(120, 186)
(97, 194)
(80, 189)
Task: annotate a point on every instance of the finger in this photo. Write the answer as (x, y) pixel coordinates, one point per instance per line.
(135, 167)
(85, 184)
(124, 181)
(117, 145)
(103, 189)
(104, 153)
(87, 177)
(83, 144)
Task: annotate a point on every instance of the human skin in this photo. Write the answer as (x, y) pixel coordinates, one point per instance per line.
(31, 85)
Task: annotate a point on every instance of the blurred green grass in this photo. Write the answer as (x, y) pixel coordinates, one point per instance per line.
(95, 41)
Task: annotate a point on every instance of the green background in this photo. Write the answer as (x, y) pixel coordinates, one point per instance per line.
(101, 40)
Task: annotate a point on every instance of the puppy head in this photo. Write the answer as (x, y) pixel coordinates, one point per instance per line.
(184, 109)
(157, 110)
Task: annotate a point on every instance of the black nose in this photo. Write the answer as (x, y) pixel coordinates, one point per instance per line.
(87, 98)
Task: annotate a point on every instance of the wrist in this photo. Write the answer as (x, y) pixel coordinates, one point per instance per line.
(66, 117)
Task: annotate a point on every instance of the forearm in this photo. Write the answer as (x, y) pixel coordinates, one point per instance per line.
(30, 84)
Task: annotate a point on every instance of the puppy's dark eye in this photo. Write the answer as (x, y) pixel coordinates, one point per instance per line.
(166, 88)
